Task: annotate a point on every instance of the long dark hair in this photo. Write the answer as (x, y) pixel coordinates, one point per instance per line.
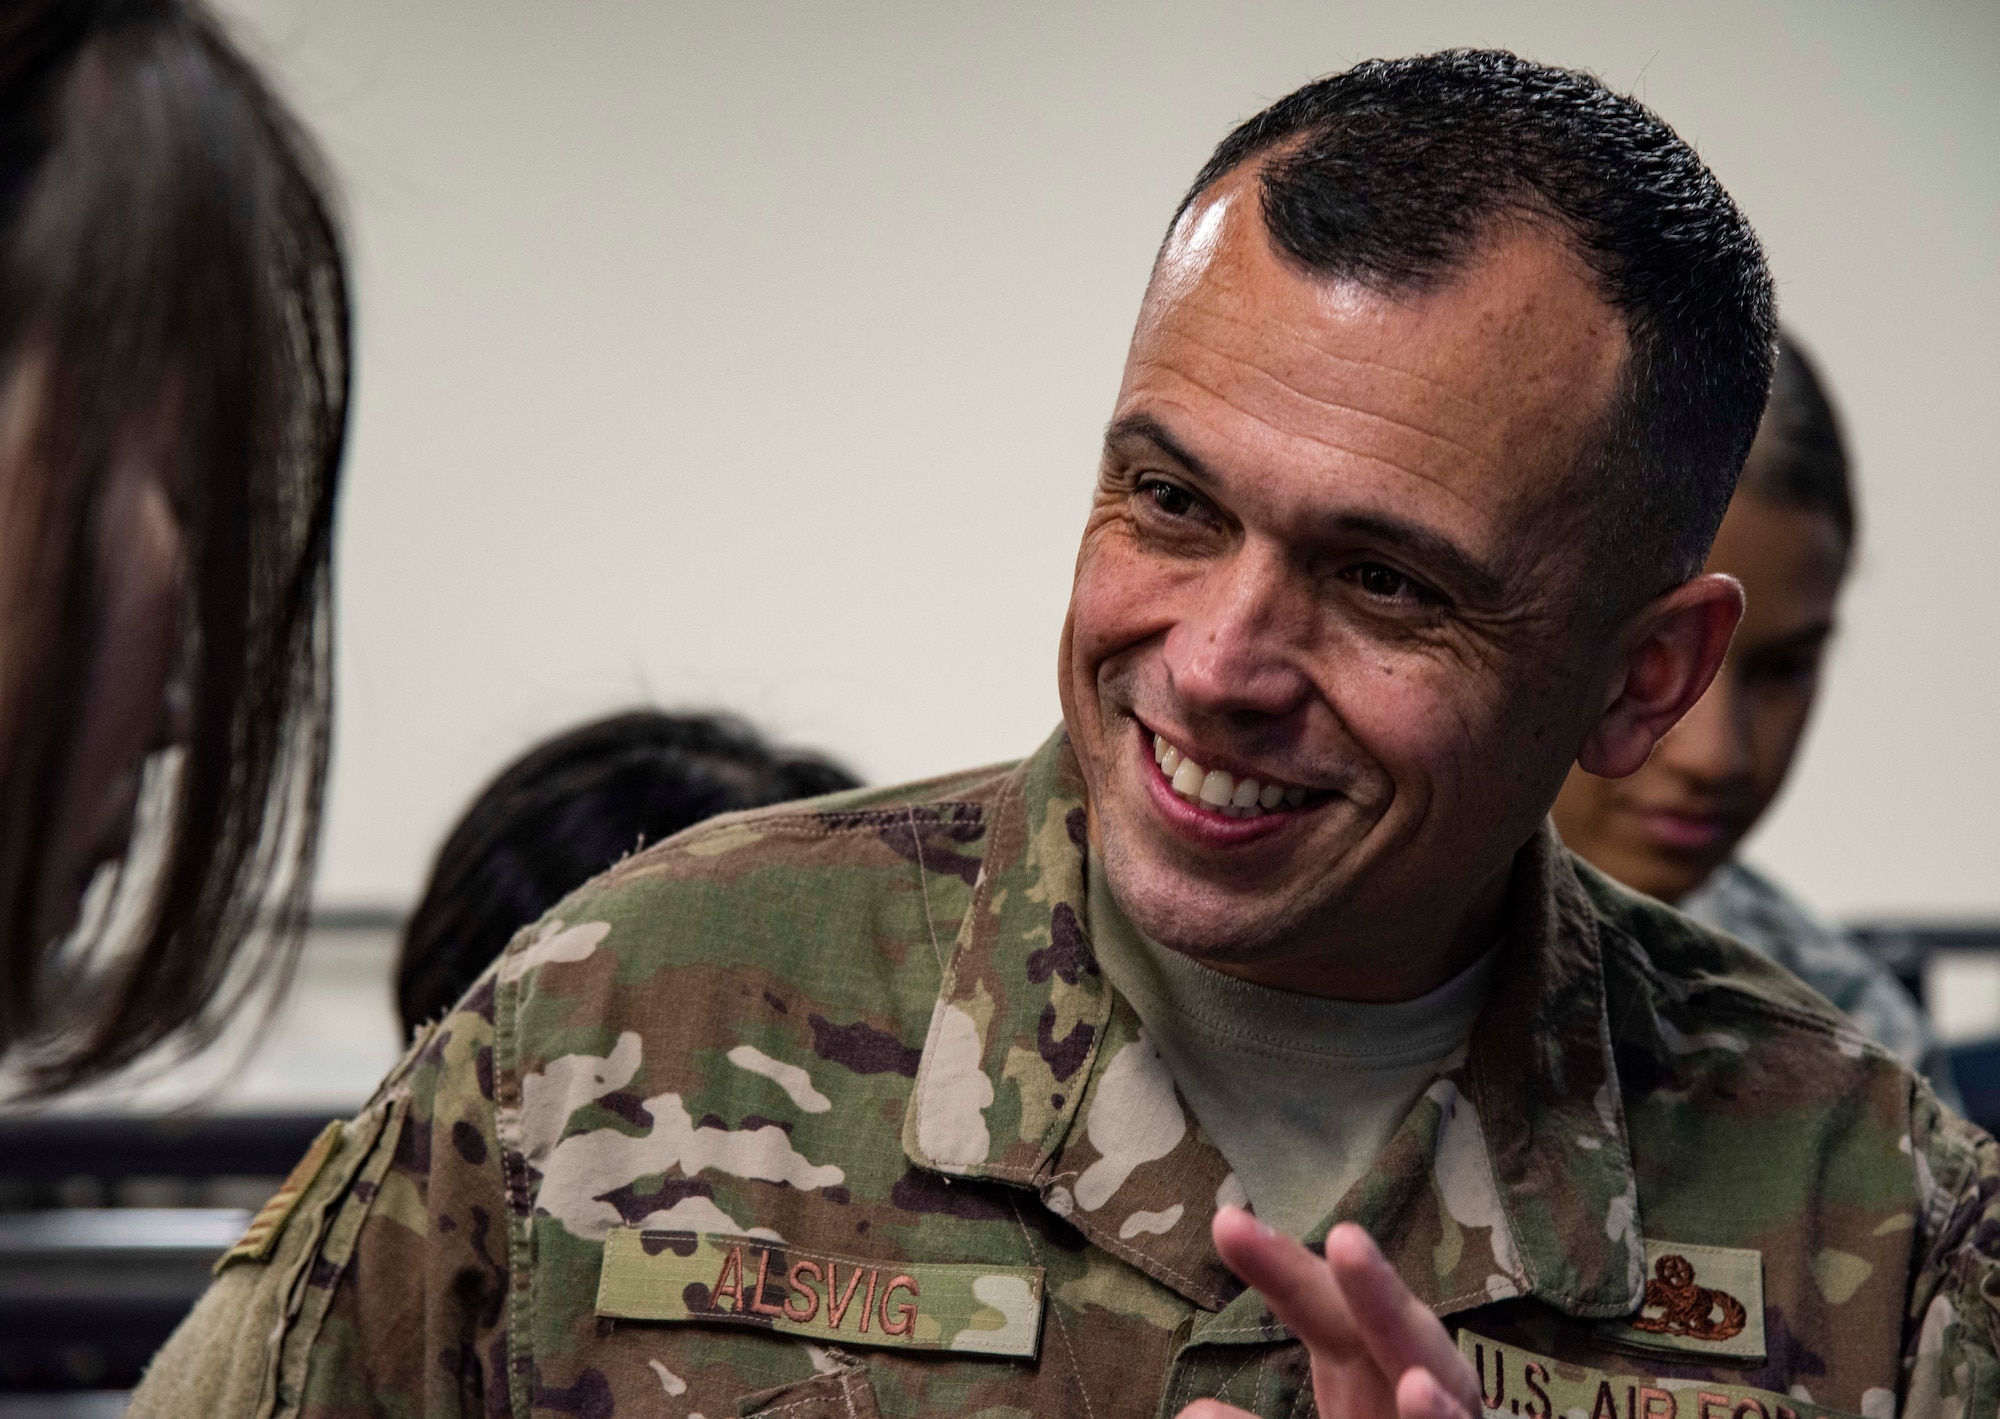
(171, 274)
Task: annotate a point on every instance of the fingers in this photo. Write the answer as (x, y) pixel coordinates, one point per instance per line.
(1303, 1295)
(1420, 1396)
(1398, 1330)
(1294, 1283)
(1213, 1409)
(1375, 1347)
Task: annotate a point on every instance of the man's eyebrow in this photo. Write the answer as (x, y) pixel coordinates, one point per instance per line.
(1426, 547)
(1145, 426)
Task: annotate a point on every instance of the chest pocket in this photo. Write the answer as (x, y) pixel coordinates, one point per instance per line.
(843, 1392)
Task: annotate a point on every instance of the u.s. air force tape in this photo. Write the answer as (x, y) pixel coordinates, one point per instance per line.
(699, 1277)
(1519, 1384)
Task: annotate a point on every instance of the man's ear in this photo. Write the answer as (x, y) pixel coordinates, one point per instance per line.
(1673, 648)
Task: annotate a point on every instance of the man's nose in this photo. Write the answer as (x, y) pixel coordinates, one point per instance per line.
(1237, 648)
(1711, 743)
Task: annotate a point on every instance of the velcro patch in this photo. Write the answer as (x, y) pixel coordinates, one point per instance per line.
(1519, 1384)
(1699, 1300)
(262, 1234)
(816, 1295)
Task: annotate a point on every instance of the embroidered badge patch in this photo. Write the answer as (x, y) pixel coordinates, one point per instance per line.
(1704, 1300)
(262, 1234)
(1519, 1384)
(915, 1305)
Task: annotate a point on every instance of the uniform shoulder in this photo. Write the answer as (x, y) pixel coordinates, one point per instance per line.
(853, 825)
(764, 885)
(1689, 959)
(976, 785)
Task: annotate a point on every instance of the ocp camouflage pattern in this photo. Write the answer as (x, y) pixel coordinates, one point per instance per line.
(871, 1027)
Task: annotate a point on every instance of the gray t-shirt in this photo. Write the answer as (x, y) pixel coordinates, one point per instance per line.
(1299, 1093)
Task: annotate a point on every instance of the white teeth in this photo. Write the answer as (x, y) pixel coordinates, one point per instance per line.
(1220, 791)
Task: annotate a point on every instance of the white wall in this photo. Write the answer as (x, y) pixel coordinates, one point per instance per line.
(754, 354)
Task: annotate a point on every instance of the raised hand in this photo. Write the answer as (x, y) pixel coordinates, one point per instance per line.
(1377, 1351)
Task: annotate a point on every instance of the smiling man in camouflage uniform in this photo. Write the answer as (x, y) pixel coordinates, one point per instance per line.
(945, 1099)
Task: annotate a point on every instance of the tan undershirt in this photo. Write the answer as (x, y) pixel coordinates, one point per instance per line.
(1300, 1093)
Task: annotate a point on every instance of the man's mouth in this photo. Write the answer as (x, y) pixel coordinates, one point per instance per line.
(1219, 792)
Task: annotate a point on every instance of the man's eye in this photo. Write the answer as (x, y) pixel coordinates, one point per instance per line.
(1169, 499)
(1386, 582)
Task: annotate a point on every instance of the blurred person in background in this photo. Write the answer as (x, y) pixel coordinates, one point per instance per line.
(565, 811)
(1673, 829)
(174, 320)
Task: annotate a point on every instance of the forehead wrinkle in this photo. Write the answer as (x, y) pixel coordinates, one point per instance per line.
(1230, 283)
(1298, 334)
(1471, 406)
(1332, 445)
(1258, 370)
(1215, 474)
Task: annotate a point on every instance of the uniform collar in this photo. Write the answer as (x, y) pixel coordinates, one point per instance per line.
(1511, 1177)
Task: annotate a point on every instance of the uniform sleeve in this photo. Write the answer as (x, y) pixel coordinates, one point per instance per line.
(1935, 1066)
(1951, 1344)
(381, 1287)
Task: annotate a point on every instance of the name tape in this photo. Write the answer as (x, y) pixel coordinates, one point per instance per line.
(1519, 1384)
(816, 1295)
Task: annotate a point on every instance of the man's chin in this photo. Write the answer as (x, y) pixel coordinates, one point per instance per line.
(1208, 921)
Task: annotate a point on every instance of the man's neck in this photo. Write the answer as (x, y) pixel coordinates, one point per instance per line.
(1380, 963)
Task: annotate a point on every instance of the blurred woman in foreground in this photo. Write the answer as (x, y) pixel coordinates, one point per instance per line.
(173, 394)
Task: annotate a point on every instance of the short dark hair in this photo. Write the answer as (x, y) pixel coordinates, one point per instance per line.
(1392, 173)
(566, 810)
(1800, 459)
(171, 271)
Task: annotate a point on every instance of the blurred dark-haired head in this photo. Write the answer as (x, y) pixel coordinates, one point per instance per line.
(568, 809)
(173, 393)
(1800, 457)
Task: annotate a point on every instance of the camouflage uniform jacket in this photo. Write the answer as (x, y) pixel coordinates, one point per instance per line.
(1749, 906)
(646, 1164)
